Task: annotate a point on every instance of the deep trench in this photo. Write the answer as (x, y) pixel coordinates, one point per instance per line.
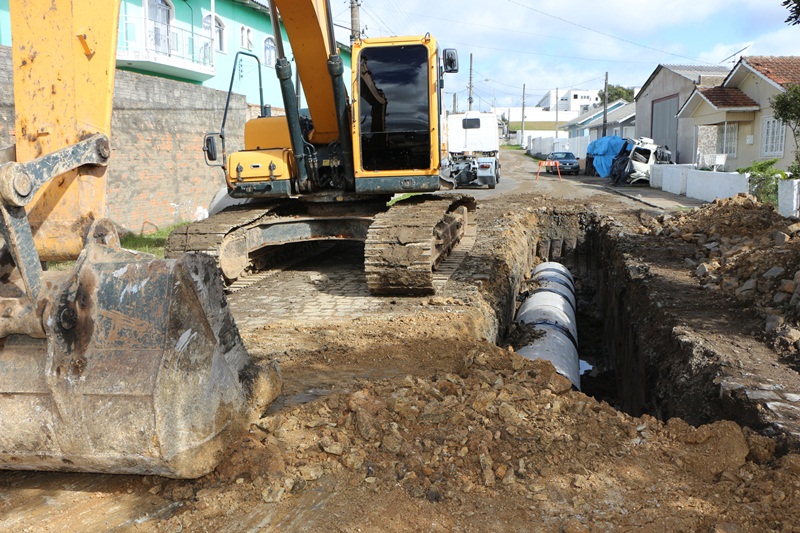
(620, 335)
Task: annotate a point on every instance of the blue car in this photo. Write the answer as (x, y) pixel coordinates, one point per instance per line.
(567, 162)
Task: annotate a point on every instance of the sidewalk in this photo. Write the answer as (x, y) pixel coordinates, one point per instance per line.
(647, 195)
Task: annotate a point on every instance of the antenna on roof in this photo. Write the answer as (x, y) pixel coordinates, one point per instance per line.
(734, 54)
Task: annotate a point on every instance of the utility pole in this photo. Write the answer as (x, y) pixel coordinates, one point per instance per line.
(555, 139)
(470, 82)
(605, 106)
(523, 116)
(355, 21)
(455, 102)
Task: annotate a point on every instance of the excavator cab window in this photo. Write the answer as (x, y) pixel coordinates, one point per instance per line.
(394, 108)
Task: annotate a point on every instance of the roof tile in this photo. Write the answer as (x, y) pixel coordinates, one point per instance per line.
(727, 97)
(783, 70)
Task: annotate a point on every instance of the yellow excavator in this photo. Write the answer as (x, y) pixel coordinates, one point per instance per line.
(330, 174)
(129, 364)
(125, 363)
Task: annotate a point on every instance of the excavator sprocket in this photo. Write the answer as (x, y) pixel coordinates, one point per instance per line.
(406, 243)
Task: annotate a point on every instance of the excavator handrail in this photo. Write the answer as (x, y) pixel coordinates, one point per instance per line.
(263, 108)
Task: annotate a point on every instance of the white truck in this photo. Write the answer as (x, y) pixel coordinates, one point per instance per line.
(473, 149)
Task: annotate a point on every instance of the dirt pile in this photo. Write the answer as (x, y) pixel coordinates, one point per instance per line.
(747, 251)
(502, 439)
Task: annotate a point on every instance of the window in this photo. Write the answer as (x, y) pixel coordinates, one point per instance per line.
(727, 136)
(159, 13)
(218, 32)
(246, 38)
(471, 123)
(773, 134)
(270, 52)
(574, 96)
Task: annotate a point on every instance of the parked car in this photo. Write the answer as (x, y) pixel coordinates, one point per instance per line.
(567, 162)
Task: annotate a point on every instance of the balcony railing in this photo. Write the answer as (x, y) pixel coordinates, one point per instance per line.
(145, 40)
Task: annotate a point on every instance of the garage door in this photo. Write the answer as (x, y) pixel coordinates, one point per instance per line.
(665, 123)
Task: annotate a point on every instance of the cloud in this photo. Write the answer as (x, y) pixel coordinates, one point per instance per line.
(516, 42)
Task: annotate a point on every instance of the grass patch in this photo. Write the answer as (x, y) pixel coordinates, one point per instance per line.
(400, 197)
(152, 243)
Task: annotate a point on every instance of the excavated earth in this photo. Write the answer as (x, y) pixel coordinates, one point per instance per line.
(415, 414)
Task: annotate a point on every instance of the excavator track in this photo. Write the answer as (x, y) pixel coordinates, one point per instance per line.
(208, 236)
(408, 242)
(246, 239)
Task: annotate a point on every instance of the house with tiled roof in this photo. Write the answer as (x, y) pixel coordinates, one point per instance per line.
(620, 121)
(658, 101)
(739, 112)
(577, 127)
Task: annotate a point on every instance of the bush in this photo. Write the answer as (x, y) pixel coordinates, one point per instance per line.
(764, 180)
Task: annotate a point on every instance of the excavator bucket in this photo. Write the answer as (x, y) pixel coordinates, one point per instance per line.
(126, 363)
(141, 370)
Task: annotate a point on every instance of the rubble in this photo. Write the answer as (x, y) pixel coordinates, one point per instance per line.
(745, 249)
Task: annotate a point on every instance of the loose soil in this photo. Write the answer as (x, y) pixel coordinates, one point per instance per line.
(422, 418)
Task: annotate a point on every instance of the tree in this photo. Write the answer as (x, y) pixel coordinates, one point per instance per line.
(618, 92)
(786, 106)
(794, 11)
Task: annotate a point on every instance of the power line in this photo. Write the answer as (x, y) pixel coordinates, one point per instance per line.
(603, 33)
(380, 21)
(595, 59)
(506, 30)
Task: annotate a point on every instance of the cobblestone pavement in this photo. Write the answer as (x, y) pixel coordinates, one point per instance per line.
(329, 284)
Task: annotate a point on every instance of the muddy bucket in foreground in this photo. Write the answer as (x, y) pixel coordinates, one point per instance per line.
(141, 371)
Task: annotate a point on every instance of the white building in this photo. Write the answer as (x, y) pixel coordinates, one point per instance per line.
(534, 114)
(573, 100)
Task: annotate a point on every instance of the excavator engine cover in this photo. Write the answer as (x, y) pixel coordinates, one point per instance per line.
(142, 370)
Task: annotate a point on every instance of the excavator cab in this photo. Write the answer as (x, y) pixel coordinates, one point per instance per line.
(124, 363)
(331, 175)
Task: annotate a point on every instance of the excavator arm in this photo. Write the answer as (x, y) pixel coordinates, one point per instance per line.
(126, 363)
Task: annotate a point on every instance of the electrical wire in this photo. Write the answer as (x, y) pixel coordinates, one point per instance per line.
(587, 28)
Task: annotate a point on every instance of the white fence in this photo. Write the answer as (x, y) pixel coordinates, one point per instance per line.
(576, 145)
(684, 180)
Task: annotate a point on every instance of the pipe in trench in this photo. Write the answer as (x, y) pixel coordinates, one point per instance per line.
(551, 309)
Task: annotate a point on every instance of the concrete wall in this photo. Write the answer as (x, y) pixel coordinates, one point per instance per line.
(698, 184)
(674, 178)
(789, 198)
(576, 145)
(6, 97)
(157, 175)
(709, 186)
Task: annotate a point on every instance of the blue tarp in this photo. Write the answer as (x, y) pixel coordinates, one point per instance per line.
(603, 151)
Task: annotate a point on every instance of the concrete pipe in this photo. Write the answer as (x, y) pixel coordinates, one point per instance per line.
(551, 309)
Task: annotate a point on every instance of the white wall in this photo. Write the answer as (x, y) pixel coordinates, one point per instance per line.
(789, 198)
(698, 184)
(576, 145)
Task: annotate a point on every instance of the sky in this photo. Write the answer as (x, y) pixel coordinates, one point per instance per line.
(548, 44)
